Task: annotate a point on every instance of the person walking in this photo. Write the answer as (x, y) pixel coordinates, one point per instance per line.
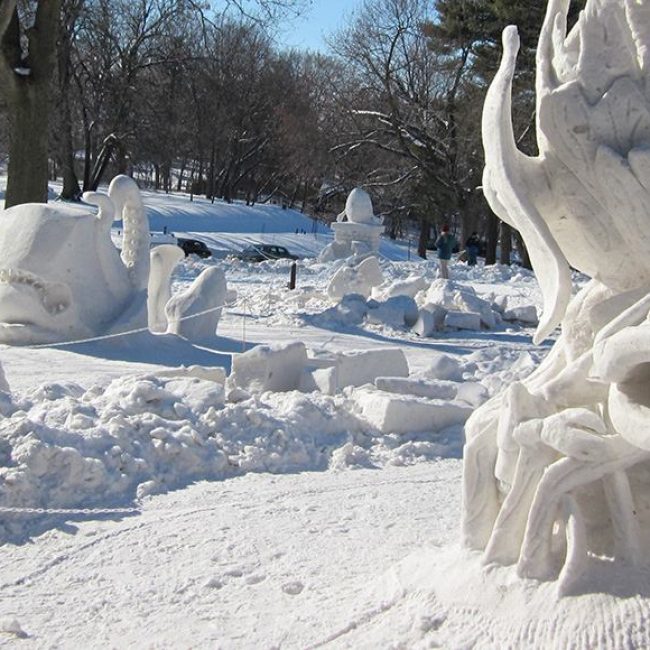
(472, 246)
(445, 245)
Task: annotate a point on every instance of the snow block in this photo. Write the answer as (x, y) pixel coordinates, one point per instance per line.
(352, 309)
(319, 379)
(446, 390)
(393, 413)
(431, 318)
(444, 367)
(331, 374)
(364, 366)
(524, 314)
(463, 320)
(398, 311)
(269, 368)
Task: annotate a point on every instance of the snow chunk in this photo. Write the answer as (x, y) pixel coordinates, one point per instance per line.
(269, 367)
(410, 286)
(445, 390)
(398, 311)
(461, 300)
(4, 384)
(354, 369)
(359, 279)
(394, 413)
(431, 318)
(463, 320)
(524, 314)
(443, 367)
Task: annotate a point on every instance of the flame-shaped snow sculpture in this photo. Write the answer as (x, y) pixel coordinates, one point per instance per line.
(557, 468)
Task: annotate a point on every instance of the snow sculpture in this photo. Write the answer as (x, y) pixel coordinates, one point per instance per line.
(61, 277)
(195, 313)
(361, 231)
(557, 468)
(163, 260)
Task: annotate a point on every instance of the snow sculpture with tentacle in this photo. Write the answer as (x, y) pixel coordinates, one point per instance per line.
(557, 468)
(62, 279)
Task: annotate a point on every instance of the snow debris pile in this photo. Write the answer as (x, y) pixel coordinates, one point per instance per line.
(416, 303)
(65, 446)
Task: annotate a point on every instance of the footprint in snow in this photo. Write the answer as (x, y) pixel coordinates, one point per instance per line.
(293, 588)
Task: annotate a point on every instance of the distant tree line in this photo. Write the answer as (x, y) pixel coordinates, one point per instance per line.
(197, 97)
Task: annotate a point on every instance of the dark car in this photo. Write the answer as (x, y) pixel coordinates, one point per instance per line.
(265, 252)
(194, 247)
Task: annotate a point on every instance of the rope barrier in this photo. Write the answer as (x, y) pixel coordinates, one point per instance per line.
(115, 335)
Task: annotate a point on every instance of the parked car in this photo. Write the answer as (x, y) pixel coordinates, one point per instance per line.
(194, 247)
(262, 252)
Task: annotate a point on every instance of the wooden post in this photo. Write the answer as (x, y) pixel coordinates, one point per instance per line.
(292, 277)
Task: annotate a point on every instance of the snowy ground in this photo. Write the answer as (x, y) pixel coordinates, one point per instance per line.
(281, 521)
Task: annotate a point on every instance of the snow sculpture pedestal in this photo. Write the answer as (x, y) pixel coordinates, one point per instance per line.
(346, 233)
(557, 468)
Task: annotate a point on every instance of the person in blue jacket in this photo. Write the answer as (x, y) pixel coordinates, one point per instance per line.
(445, 245)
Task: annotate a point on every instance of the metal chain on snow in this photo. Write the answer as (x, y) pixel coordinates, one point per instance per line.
(64, 511)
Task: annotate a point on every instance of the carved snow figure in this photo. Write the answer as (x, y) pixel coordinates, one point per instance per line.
(356, 230)
(61, 276)
(557, 469)
(62, 279)
(163, 260)
(195, 313)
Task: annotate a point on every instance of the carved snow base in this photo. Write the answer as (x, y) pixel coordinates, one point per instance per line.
(549, 479)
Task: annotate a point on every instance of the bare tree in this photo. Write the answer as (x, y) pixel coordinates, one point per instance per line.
(27, 60)
(412, 104)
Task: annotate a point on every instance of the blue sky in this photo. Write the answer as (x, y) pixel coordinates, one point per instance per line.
(323, 17)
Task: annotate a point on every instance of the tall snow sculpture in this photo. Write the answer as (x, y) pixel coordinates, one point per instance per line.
(61, 277)
(557, 468)
(359, 233)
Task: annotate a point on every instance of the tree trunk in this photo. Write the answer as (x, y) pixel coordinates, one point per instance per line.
(27, 173)
(423, 238)
(71, 189)
(506, 243)
(491, 237)
(27, 90)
